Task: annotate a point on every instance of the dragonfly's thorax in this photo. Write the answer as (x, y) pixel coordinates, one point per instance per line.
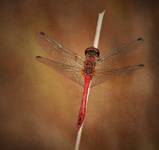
(92, 54)
(89, 65)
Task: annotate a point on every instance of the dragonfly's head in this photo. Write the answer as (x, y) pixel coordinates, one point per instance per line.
(92, 51)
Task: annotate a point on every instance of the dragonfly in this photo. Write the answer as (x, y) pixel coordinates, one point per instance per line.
(87, 71)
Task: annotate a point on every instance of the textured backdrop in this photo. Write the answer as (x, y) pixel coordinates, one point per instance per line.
(39, 107)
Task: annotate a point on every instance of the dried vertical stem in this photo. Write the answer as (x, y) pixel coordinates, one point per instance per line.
(98, 29)
(96, 41)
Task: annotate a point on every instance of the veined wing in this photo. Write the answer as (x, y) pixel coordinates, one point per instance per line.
(72, 72)
(103, 75)
(111, 59)
(58, 52)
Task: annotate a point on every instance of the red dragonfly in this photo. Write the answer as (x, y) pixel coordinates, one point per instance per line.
(89, 71)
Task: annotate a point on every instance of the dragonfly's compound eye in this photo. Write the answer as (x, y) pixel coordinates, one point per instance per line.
(92, 51)
(97, 52)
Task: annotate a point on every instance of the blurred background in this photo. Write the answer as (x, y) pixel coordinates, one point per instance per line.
(39, 107)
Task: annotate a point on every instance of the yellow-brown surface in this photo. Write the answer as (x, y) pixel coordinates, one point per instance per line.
(39, 107)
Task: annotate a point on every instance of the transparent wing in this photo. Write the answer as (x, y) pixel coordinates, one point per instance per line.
(72, 72)
(58, 52)
(111, 59)
(103, 75)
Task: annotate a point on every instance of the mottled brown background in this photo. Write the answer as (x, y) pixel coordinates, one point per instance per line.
(38, 106)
